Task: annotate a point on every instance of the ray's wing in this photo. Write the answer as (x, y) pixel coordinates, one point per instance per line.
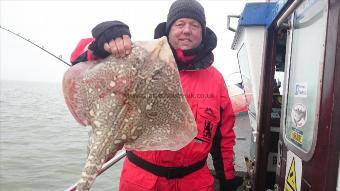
(166, 119)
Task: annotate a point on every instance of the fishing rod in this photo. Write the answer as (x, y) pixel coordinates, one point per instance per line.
(40, 47)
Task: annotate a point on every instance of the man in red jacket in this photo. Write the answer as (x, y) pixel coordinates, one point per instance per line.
(204, 87)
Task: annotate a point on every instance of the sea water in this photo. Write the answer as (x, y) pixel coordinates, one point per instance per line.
(42, 147)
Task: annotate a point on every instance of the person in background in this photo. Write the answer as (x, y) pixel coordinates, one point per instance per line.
(205, 91)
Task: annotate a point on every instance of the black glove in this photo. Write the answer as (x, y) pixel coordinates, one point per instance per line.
(231, 185)
(104, 33)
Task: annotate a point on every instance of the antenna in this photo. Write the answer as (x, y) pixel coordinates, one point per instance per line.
(41, 47)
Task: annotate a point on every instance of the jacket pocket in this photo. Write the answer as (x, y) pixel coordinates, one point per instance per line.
(207, 119)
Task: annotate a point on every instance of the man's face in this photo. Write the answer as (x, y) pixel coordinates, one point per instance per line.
(185, 33)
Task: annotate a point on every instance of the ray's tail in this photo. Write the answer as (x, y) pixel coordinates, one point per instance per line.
(101, 149)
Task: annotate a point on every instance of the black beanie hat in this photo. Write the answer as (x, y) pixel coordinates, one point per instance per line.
(186, 9)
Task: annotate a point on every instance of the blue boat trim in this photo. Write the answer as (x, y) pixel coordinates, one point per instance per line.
(259, 14)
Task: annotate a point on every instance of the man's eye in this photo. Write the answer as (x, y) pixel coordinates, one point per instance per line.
(196, 26)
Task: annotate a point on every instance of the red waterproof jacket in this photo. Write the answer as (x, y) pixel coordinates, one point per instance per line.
(207, 95)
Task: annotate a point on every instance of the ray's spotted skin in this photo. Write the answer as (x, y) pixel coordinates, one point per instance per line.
(136, 101)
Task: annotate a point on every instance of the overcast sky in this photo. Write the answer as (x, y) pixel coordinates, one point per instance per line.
(59, 25)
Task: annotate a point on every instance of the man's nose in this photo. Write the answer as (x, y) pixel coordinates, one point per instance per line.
(187, 29)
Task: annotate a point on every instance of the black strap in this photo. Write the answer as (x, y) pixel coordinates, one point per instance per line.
(167, 172)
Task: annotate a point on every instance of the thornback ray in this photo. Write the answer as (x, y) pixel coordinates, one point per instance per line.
(136, 101)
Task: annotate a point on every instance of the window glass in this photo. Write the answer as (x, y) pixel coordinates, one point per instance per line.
(305, 75)
(243, 61)
(242, 56)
